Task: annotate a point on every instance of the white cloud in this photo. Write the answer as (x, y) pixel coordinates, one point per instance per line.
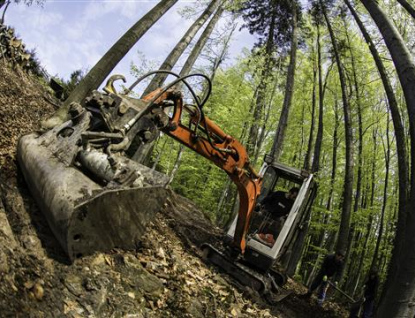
(132, 10)
(74, 35)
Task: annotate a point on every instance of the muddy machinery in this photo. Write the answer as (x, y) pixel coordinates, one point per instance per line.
(96, 198)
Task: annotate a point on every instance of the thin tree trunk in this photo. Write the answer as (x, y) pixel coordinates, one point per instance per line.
(307, 158)
(369, 224)
(223, 217)
(385, 199)
(352, 251)
(144, 151)
(176, 165)
(334, 155)
(219, 59)
(289, 89)
(200, 44)
(399, 290)
(178, 50)
(402, 154)
(156, 162)
(4, 11)
(253, 136)
(106, 64)
(360, 125)
(403, 165)
(267, 114)
(342, 242)
(319, 138)
(407, 7)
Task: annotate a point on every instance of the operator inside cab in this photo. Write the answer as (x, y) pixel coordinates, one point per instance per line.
(273, 211)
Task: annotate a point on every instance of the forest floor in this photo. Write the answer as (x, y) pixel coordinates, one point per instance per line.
(164, 277)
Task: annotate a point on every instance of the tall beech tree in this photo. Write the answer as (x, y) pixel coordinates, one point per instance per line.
(180, 47)
(387, 154)
(318, 20)
(343, 235)
(307, 158)
(399, 288)
(144, 151)
(402, 153)
(407, 7)
(289, 86)
(270, 20)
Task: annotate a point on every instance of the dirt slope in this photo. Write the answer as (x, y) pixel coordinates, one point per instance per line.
(164, 277)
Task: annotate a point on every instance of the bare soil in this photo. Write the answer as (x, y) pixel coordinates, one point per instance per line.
(163, 277)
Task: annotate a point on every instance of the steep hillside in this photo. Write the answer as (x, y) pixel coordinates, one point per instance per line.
(163, 277)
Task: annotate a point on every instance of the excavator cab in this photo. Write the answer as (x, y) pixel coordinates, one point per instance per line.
(263, 255)
(255, 267)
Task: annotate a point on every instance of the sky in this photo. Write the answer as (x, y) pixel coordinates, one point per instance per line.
(70, 35)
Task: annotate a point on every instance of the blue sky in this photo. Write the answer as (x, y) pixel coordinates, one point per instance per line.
(71, 35)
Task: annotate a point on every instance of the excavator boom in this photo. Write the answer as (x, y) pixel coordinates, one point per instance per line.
(224, 151)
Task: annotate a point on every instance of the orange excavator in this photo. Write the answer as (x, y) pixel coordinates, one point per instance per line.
(95, 197)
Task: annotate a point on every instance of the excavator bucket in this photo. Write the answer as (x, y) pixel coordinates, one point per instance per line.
(93, 196)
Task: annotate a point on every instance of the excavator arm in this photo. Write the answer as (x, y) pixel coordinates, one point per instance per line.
(203, 136)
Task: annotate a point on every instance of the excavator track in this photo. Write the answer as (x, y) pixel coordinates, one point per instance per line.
(264, 284)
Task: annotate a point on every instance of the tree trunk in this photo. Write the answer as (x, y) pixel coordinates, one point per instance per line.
(222, 217)
(178, 50)
(307, 158)
(369, 224)
(407, 7)
(158, 158)
(200, 44)
(352, 250)
(360, 125)
(106, 64)
(397, 299)
(342, 242)
(219, 59)
(401, 148)
(334, 155)
(252, 142)
(176, 165)
(267, 113)
(4, 11)
(319, 138)
(144, 151)
(385, 200)
(289, 89)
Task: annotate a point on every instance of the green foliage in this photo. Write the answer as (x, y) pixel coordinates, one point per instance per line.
(230, 106)
(271, 16)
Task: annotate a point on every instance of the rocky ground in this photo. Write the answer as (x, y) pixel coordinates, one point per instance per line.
(164, 277)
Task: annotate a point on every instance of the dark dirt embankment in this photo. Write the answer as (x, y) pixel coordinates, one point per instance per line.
(164, 277)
